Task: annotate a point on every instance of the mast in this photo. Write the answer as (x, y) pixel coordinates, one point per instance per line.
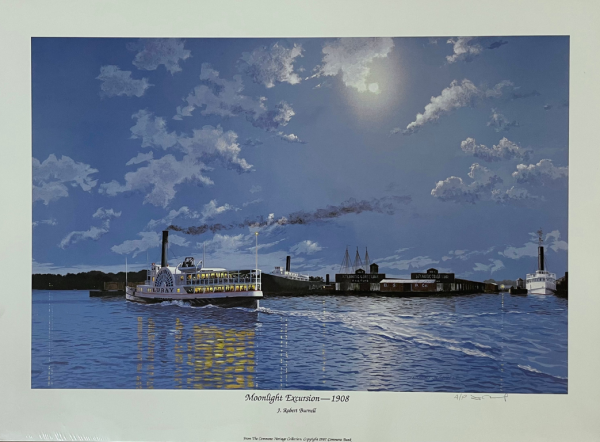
(256, 234)
(345, 267)
(357, 261)
(367, 261)
(125, 272)
(540, 251)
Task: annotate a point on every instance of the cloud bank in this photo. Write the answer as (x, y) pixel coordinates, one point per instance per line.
(504, 150)
(271, 65)
(51, 177)
(455, 96)
(468, 48)
(152, 52)
(352, 57)
(116, 82)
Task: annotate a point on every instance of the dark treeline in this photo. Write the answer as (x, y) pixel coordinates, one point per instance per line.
(83, 281)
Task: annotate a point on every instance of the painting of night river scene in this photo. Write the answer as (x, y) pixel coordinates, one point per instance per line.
(344, 214)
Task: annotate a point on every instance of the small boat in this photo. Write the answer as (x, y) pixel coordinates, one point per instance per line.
(197, 285)
(541, 282)
(519, 289)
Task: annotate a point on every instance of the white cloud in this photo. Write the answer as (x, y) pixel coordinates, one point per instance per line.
(152, 52)
(500, 123)
(212, 209)
(455, 96)
(468, 48)
(106, 214)
(256, 188)
(418, 262)
(512, 195)
(495, 265)
(93, 232)
(140, 158)
(555, 243)
(51, 176)
(161, 175)
(353, 58)
(152, 130)
(454, 189)
(464, 255)
(290, 138)
(208, 144)
(229, 243)
(117, 82)
(542, 173)
(209, 211)
(504, 150)
(247, 203)
(307, 247)
(51, 222)
(251, 142)
(149, 240)
(272, 65)
(465, 49)
(396, 262)
(211, 145)
(217, 96)
(530, 249)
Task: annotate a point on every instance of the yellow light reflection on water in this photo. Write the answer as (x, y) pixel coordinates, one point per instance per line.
(204, 356)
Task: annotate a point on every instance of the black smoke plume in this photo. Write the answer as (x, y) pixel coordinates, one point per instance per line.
(387, 205)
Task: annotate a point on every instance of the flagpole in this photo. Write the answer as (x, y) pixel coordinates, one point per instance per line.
(256, 234)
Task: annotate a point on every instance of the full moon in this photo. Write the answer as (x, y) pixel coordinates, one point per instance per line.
(374, 87)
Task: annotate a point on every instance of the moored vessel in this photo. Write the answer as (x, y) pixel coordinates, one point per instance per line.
(541, 282)
(285, 282)
(197, 285)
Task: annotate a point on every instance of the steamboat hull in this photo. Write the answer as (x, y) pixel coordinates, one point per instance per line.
(250, 301)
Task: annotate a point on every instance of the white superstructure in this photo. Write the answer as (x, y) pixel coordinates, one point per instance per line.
(280, 271)
(541, 282)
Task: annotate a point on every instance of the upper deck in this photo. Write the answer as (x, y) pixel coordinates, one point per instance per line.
(191, 277)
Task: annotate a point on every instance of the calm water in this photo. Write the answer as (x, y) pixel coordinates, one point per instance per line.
(477, 343)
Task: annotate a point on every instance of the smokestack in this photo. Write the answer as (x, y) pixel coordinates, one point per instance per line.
(540, 258)
(165, 244)
(288, 263)
(327, 278)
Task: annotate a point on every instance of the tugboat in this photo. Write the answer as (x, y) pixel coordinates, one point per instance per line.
(519, 289)
(196, 284)
(541, 282)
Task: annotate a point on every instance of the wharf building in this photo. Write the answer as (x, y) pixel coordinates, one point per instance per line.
(365, 277)
(358, 276)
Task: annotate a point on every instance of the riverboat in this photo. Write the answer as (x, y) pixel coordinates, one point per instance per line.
(197, 285)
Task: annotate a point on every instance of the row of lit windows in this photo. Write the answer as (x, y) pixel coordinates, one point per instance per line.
(226, 288)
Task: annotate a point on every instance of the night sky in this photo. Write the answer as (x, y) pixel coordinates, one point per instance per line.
(446, 152)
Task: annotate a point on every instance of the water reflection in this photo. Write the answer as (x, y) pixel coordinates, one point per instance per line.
(192, 355)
